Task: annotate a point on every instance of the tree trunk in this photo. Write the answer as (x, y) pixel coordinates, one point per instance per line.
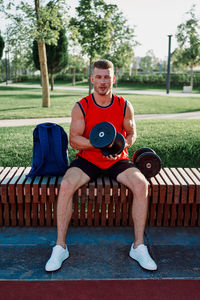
(73, 77)
(44, 74)
(191, 76)
(90, 73)
(52, 81)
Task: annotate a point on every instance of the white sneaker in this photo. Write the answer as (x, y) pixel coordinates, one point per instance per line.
(141, 255)
(59, 254)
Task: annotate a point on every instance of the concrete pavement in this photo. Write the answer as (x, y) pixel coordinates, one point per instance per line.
(27, 122)
(99, 253)
(116, 90)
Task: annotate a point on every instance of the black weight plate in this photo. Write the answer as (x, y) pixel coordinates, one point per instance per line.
(140, 151)
(102, 135)
(149, 164)
(117, 147)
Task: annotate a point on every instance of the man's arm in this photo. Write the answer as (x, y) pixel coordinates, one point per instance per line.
(77, 127)
(129, 126)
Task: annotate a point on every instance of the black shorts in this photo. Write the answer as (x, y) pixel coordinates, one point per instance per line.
(93, 171)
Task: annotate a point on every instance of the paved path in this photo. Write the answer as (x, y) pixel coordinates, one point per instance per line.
(139, 92)
(26, 122)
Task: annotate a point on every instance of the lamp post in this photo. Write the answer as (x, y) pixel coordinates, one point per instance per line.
(168, 66)
(6, 65)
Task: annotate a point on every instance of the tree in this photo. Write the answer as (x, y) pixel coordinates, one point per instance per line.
(57, 55)
(2, 44)
(41, 23)
(122, 43)
(91, 28)
(149, 62)
(76, 63)
(188, 38)
(94, 28)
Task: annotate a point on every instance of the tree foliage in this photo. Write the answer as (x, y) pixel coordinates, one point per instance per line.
(36, 21)
(57, 55)
(188, 38)
(100, 29)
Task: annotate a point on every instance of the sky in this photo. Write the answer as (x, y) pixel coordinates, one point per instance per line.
(153, 20)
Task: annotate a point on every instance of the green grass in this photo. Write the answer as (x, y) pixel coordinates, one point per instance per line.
(175, 141)
(21, 103)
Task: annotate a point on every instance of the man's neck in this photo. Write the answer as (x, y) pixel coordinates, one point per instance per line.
(103, 100)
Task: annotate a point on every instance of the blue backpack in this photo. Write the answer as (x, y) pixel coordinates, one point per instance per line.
(50, 151)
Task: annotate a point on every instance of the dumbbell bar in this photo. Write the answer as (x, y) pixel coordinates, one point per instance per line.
(147, 161)
(105, 137)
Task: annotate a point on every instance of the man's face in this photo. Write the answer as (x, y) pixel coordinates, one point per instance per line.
(103, 80)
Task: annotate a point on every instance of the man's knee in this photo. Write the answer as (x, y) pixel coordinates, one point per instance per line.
(140, 186)
(68, 185)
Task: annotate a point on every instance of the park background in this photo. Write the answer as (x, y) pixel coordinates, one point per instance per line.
(70, 39)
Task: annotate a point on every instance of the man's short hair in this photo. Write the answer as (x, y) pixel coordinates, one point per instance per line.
(102, 64)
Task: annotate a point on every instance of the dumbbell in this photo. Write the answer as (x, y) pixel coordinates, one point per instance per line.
(105, 137)
(147, 161)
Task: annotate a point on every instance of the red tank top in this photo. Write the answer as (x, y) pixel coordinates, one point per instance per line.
(94, 114)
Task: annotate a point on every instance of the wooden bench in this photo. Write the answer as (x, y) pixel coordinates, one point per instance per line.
(174, 200)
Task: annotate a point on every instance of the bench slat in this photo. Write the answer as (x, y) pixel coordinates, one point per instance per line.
(183, 184)
(191, 185)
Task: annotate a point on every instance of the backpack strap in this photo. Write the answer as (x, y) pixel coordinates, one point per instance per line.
(44, 141)
(58, 140)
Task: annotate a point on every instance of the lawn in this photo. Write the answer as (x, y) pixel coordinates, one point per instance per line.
(20, 103)
(175, 141)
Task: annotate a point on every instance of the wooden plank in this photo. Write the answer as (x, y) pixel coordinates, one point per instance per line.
(194, 214)
(152, 213)
(190, 183)
(176, 185)
(166, 216)
(103, 212)
(52, 192)
(98, 200)
(75, 215)
(187, 207)
(107, 189)
(130, 203)
(180, 216)
(183, 185)
(161, 199)
(123, 189)
(154, 189)
(1, 169)
(99, 189)
(54, 204)
(83, 206)
(91, 200)
(28, 200)
(195, 176)
(169, 186)
(4, 173)
(125, 213)
(4, 184)
(44, 202)
(111, 213)
(174, 215)
(20, 186)
(12, 191)
(6, 214)
(6, 208)
(117, 202)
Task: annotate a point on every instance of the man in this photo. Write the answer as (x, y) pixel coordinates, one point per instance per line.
(98, 107)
